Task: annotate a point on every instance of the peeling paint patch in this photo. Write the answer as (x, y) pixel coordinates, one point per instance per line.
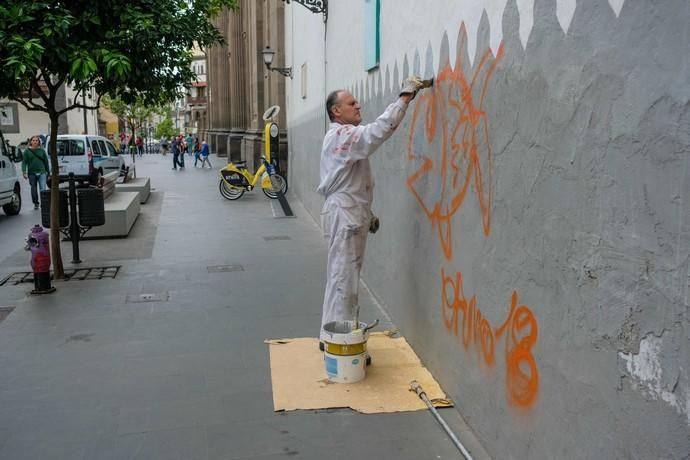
(647, 371)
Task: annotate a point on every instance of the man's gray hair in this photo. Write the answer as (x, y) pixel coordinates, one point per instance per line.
(332, 100)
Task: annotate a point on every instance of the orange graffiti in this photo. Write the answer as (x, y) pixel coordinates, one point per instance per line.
(449, 120)
(520, 329)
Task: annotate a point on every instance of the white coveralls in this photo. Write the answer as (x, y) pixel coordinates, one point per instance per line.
(348, 186)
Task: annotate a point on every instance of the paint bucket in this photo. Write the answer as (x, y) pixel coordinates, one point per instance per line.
(345, 351)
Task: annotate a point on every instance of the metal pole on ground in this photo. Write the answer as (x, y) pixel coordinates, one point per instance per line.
(74, 225)
(417, 388)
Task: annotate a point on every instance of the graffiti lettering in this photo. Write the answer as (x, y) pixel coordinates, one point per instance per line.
(520, 330)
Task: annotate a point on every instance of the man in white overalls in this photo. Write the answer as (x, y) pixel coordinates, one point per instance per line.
(348, 185)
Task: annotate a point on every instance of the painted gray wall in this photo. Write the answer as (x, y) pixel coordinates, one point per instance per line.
(576, 207)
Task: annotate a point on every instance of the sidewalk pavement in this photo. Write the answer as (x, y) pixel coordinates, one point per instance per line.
(167, 360)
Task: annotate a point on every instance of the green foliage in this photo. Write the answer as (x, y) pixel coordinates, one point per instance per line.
(165, 128)
(135, 50)
(135, 114)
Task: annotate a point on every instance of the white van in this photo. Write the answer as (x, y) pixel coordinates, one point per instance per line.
(87, 156)
(10, 190)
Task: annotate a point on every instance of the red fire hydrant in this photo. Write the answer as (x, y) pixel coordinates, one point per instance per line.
(38, 242)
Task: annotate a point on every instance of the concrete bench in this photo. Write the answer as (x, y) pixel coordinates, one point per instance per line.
(121, 211)
(142, 185)
(109, 181)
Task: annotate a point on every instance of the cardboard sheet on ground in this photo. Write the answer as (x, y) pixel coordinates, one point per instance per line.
(299, 378)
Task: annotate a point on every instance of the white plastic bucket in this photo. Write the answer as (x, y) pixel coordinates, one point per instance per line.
(345, 351)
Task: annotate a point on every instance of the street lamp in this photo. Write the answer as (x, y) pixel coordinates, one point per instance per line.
(268, 54)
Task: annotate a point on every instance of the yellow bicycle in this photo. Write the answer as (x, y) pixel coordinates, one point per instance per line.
(235, 178)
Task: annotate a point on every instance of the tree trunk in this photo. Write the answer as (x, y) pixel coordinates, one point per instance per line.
(55, 252)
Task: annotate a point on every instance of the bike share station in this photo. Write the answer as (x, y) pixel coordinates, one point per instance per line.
(236, 178)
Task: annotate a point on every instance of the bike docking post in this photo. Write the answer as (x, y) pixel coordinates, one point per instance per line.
(271, 151)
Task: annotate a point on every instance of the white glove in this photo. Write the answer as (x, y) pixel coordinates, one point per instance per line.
(413, 84)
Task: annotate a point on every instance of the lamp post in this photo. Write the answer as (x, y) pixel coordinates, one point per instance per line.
(268, 55)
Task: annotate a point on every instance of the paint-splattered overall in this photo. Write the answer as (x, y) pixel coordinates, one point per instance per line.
(348, 185)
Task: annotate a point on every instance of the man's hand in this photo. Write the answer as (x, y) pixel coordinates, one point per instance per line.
(411, 85)
(374, 224)
(26, 176)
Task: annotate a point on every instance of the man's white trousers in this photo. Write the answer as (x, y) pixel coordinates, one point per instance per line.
(345, 230)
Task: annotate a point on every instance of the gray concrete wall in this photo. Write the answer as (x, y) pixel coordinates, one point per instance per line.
(535, 236)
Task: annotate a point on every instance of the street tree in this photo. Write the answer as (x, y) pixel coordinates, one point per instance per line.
(134, 50)
(165, 128)
(134, 115)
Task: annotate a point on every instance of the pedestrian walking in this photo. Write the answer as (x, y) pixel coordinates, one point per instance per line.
(347, 184)
(175, 150)
(140, 146)
(189, 140)
(182, 146)
(35, 168)
(131, 144)
(197, 151)
(123, 143)
(204, 154)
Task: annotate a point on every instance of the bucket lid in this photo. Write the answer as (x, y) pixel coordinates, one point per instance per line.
(342, 332)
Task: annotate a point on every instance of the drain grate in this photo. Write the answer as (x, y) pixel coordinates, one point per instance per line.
(95, 273)
(76, 274)
(5, 312)
(276, 238)
(224, 268)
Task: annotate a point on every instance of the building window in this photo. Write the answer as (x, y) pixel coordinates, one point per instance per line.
(372, 36)
(9, 117)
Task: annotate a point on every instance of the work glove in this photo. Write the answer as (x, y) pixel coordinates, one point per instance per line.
(374, 224)
(413, 84)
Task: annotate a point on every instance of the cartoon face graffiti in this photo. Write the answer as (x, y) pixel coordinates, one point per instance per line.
(449, 146)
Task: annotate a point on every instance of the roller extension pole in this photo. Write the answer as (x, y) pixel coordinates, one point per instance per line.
(417, 388)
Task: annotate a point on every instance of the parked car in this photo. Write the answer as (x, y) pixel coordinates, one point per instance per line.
(10, 190)
(89, 157)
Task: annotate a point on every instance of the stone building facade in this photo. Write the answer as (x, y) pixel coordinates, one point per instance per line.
(240, 86)
(196, 101)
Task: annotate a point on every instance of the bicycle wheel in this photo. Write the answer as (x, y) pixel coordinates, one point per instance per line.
(279, 184)
(228, 192)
